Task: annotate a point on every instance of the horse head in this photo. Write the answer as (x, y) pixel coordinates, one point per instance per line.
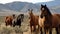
(14, 16)
(45, 11)
(30, 11)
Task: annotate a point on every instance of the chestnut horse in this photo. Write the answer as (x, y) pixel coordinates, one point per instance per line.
(8, 20)
(51, 20)
(33, 20)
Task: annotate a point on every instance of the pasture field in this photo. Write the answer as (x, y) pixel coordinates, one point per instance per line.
(24, 29)
(13, 30)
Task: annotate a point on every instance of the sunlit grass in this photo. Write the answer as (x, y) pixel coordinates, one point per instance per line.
(16, 30)
(13, 30)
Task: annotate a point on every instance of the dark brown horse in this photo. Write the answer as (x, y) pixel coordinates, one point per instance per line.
(18, 20)
(22, 17)
(8, 20)
(51, 20)
(33, 20)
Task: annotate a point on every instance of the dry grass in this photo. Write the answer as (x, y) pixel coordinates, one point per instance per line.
(12, 30)
(24, 29)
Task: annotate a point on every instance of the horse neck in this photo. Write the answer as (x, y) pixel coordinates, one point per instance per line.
(49, 14)
(31, 16)
(48, 18)
(48, 11)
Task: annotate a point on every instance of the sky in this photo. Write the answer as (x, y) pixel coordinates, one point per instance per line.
(30, 1)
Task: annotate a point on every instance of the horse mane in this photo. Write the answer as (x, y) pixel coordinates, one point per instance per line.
(48, 10)
(49, 13)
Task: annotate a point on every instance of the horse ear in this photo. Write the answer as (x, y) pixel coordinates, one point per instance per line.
(28, 9)
(41, 5)
(45, 5)
(31, 9)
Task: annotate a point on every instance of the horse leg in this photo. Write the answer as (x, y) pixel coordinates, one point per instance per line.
(31, 28)
(41, 30)
(45, 30)
(50, 30)
(14, 24)
(34, 27)
(38, 27)
(57, 30)
(19, 25)
(6, 24)
(11, 24)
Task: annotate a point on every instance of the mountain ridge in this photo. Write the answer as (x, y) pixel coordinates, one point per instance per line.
(24, 6)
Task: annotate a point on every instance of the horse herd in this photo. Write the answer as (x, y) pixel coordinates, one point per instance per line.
(13, 20)
(45, 20)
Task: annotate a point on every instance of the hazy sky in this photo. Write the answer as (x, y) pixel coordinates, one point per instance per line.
(31, 1)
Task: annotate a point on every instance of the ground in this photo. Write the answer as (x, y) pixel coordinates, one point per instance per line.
(24, 29)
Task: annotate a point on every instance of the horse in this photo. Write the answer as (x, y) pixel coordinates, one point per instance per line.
(17, 21)
(8, 20)
(41, 24)
(22, 17)
(51, 20)
(33, 20)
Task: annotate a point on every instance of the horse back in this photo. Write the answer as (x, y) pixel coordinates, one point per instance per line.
(58, 15)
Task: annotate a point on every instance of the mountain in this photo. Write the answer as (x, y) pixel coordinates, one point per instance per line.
(51, 3)
(18, 6)
(55, 9)
(54, 6)
(24, 6)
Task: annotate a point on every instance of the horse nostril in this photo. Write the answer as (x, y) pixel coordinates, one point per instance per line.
(41, 16)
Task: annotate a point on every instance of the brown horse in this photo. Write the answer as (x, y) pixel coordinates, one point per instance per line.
(51, 21)
(33, 20)
(8, 20)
